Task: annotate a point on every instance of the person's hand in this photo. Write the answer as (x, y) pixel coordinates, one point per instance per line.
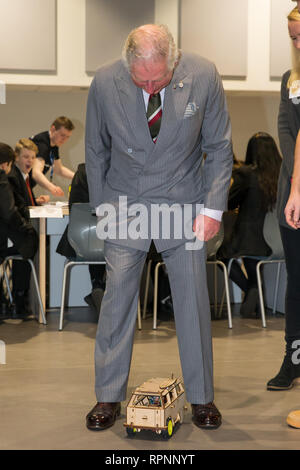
(292, 210)
(43, 199)
(205, 227)
(57, 191)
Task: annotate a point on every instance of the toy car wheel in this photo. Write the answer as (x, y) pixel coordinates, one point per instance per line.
(131, 432)
(169, 431)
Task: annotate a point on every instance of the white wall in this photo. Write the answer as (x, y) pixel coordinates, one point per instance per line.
(31, 107)
(71, 46)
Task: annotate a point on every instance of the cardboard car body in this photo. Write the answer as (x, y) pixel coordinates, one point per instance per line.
(156, 405)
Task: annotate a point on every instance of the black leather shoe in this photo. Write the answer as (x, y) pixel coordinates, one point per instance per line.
(103, 416)
(206, 416)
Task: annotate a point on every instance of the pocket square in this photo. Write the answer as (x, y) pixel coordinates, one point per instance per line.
(190, 110)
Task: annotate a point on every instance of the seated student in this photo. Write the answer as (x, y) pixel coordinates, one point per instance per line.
(14, 223)
(48, 157)
(253, 193)
(80, 193)
(25, 156)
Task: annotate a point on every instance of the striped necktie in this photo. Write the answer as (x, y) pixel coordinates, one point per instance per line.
(154, 113)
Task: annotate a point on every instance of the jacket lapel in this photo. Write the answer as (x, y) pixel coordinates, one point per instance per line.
(132, 102)
(176, 98)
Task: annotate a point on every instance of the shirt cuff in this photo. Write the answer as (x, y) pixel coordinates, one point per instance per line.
(214, 214)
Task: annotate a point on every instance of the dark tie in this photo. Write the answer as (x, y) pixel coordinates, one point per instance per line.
(29, 191)
(154, 113)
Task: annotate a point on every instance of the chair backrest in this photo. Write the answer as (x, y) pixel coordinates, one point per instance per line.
(214, 244)
(82, 233)
(272, 235)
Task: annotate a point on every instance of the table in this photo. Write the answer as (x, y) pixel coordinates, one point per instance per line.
(42, 255)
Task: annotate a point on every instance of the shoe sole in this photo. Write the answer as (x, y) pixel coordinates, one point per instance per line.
(279, 389)
(207, 426)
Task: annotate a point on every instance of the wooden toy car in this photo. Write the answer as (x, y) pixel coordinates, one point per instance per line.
(156, 405)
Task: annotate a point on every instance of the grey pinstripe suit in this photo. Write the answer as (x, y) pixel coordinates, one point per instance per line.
(122, 160)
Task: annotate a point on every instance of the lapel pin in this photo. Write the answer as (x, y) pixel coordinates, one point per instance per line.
(180, 85)
(174, 86)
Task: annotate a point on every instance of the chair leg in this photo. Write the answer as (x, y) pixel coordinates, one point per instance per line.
(37, 289)
(139, 318)
(276, 287)
(147, 288)
(155, 295)
(7, 281)
(260, 292)
(226, 283)
(63, 295)
(224, 290)
(216, 289)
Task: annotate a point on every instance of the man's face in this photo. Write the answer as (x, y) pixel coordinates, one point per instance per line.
(25, 160)
(59, 136)
(151, 76)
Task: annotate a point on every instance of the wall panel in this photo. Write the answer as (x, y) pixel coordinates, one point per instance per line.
(28, 35)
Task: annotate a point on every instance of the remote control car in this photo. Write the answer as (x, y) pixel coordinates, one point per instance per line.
(156, 405)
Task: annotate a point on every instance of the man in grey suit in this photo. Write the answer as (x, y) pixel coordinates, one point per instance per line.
(129, 162)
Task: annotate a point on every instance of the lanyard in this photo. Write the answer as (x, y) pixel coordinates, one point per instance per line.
(51, 164)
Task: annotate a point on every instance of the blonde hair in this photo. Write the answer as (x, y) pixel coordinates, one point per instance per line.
(150, 42)
(294, 15)
(25, 144)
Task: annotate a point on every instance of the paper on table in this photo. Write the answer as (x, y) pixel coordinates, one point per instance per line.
(46, 211)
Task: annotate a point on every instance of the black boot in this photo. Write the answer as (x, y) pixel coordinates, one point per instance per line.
(21, 304)
(289, 371)
(250, 303)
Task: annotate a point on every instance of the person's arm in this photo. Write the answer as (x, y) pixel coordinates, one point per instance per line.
(216, 136)
(292, 209)
(97, 145)
(61, 170)
(286, 137)
(40, 178)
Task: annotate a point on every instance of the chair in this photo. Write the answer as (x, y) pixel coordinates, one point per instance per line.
(37, 289)
(272, 237)
(212, 247)
(88, 247)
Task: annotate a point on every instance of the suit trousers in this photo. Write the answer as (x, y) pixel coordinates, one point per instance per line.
(117, 321)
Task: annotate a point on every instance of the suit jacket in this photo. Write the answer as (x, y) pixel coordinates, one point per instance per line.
(122, 160)
(247, 234)
(20, 190)
(288, 126)
(13, 225)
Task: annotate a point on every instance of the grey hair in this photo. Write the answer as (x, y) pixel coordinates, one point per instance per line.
(150, 42)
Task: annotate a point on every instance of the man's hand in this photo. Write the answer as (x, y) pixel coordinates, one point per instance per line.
(57, 191)
(292, 210)
(43, 199)
(205, 227)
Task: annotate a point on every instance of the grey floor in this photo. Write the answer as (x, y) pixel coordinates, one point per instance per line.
(46, 386)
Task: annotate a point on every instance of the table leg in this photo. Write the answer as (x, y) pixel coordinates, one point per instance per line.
(42, 264)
